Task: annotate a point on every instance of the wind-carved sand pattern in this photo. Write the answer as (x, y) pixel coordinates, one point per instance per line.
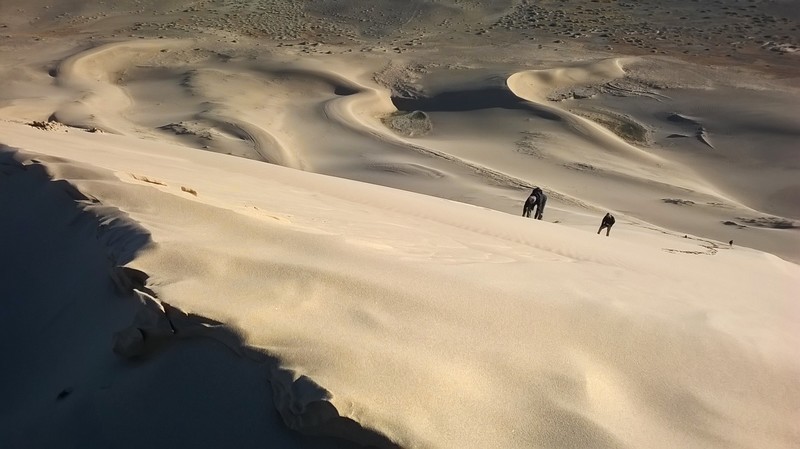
(621, 87)
(530, 145)
(322, 234)
(246, 108)
(627, 87)
(527, 96)
(267, 91)
(700, 132)
(535, 86)
(262, 97)
(711, 248)
(98, 101)
(214, 122)
(265, 106)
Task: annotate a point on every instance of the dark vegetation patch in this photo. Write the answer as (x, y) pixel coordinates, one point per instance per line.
(678, 201)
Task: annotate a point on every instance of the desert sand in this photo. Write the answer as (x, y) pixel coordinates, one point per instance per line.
(298, 224)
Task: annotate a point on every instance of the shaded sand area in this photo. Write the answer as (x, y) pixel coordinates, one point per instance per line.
(282, 224)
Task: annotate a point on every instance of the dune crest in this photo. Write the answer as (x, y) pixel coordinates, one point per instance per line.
(536, 85)
(155, 326)
(313, 300)
(299, 224)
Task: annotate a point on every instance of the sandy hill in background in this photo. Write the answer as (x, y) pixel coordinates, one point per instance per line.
(731, 128)
(297, 224)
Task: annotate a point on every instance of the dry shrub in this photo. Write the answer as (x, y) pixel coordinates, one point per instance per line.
(146, 179)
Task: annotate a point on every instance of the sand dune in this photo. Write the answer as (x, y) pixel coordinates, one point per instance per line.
(348, 285)
(284, 224)
(249, 109)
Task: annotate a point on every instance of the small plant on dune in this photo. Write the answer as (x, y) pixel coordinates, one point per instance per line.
(678, 201)
(47, 126)
(410, 124)
(148, 180)
(625, 127)
(188, 190)
(770, 222)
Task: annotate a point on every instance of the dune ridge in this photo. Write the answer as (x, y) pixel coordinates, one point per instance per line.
(256, 118)
(414, 337)
(233, 223)
(303, 405)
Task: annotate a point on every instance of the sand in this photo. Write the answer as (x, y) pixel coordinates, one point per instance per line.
(273, 224)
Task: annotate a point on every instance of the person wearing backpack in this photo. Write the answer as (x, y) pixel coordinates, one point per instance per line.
(606, 224)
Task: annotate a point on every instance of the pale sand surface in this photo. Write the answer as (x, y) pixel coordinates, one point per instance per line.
(228, 226)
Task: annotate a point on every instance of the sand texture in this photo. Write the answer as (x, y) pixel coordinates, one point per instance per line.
(233, 223)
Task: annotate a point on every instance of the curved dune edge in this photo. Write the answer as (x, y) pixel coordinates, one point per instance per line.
(534, 85)
(341, 103)
(99, 103)
(91, 72)
(304, 406)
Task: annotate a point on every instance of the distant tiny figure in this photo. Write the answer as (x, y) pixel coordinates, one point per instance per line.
(731, 243)
(607, 223)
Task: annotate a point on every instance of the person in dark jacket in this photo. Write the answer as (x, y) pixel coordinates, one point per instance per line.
(531, 202)
(540, 205)
(607, 222)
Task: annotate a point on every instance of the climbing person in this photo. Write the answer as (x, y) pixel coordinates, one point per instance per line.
(540, 205)
(730, 243)
(606, 224)
(531, 202)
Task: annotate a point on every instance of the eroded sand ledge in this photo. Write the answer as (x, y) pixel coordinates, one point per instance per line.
(110, 294)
